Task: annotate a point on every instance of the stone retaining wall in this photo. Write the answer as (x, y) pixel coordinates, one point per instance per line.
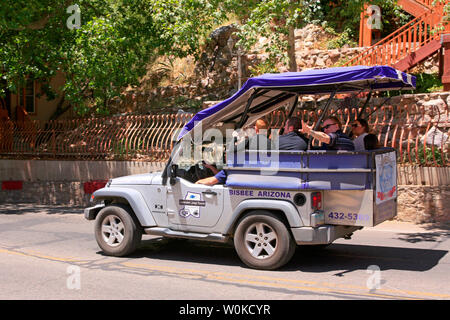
(423, 204)
(63, 182)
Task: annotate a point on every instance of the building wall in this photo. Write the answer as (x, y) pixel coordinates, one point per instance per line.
(44, 108)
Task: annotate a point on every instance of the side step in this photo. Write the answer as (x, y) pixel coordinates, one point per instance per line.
(166, 232)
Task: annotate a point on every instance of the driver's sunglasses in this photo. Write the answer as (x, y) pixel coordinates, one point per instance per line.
(327, 126)
(355, 125)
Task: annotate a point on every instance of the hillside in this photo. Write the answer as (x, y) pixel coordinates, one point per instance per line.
(185, 85)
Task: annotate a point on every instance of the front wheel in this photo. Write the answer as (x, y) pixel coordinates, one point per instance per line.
(116, 231)
(263, 241)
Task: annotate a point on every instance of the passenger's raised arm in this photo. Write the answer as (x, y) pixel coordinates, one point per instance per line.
(332, 136)
(321, 136)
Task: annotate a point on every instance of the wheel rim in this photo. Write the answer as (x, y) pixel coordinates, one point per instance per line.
(261, 241)
(113, 230)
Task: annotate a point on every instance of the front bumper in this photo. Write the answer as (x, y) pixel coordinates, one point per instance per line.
(91, 212)
(321, 235)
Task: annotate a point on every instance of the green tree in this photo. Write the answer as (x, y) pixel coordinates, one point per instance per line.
(344, 15)
(110, 50)
(117, 39)
(274, 20)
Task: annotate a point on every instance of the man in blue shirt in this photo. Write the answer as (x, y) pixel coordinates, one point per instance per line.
(331, 136)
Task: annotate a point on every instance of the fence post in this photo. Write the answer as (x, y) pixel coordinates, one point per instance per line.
(53, 140)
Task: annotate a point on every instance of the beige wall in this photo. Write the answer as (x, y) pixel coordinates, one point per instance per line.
(44, 108)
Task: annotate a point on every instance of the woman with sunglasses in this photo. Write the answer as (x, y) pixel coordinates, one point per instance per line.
(360, 129)
(331, 136)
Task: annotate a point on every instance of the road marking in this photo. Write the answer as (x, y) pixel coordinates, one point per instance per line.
(272, 281)
(236, 278)
(38, 255)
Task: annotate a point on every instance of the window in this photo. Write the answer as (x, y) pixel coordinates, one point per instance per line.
(27, 97)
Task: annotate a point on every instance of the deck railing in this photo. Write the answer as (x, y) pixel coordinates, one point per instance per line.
(404, 41)
(426, 3)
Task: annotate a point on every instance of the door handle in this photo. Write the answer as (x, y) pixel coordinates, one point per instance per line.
(209, 192)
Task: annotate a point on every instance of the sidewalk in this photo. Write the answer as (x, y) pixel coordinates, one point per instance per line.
(409, 227)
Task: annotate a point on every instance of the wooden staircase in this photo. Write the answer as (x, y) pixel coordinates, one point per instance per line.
(417, 40)
(416, 8)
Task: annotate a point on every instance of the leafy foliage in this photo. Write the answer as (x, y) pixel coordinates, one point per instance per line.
(344, 15)
(427, 83)
(342, 39)
(429, 156)
(270, 20)
(119, 38)
(111, 49)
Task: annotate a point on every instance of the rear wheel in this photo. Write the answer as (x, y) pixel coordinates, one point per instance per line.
(263, 241)
(117, 231)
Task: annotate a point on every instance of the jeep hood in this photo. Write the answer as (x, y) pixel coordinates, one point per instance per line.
(138, 179)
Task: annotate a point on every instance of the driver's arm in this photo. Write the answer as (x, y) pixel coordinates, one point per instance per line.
(220, 177)
(210, 181)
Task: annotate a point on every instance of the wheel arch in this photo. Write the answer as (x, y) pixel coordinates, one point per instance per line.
(285, 210)
(131, 198)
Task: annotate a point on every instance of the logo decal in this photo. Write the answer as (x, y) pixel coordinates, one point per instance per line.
(386, 177)
(192, 203)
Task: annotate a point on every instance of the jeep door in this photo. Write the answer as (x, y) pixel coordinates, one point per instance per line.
(194, 205)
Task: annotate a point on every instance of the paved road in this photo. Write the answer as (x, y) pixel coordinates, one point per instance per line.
(49, 252)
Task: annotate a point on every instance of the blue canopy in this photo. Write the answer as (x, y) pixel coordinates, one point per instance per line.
(270, 91)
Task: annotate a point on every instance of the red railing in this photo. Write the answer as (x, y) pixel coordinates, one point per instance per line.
(408, 128)
(404, 41)
(427, 3)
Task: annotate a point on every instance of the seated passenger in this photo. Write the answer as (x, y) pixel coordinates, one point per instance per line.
(259, 140)
(360, 129)
(331, 136)
(292, 139)
(371, 142)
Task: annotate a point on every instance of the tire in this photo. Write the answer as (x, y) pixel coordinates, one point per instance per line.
(117, 231)
(270, 251)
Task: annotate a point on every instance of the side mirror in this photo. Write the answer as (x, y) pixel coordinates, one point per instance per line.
(173, 174)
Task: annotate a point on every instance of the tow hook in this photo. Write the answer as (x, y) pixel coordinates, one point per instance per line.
(348, 236)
